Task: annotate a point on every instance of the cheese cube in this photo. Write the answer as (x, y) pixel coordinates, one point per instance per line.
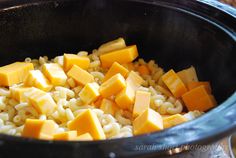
(80, 76)
(37, 79)
(198, 99)
(87, 122)
(55, 74)
(97, 103)
(14, 73)
(40, 129)
(69, 135)
(115, 69)
(194, 84)
(148, 121)
(125, 99)
(84, 137)
(173, 120)
(188, 75)
(142, 102)
(73, 59)
(89, 93)
(164, 91)
(112, 86)
(108, 106)
(41, 101)
(125, 55)
(17, 93)
(174, 83)
(112, 45)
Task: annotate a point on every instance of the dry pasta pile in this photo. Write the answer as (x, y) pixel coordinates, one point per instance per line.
(101, 95)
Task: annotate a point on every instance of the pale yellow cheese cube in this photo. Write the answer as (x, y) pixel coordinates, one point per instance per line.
(40, 129)
(55, 74)
(108, 106)
(87, 122)
(14, 73)
(36, 79)
(41, 101)
(73, 59)
(17, 93)
(115, 69)
(142, 102)
(148, 121)
(173, 120)
(84, 137)
(135, 79)
(112, 45)
(80, 76)
(68, 135)
(89, 93)
(188, 75)
(112, 86)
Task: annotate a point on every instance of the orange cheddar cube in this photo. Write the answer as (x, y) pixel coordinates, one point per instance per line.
(18, 93)
(125, 55)
(164, 91)
(55, 74)
(194, 84)
(80, 76)
(108, 106)
(40, 129)
(188, 75)
(14, 73)
(41, 101)
(112, 86)
(97, 103)
(36, 79)
(173, 120)
(115, 69)
(87, 122)
(112, 45)
(89, 93)
(84, 137)
(174, 83)
(142, 102)
(148, 121)
(73, 59)
(198, 99)
(69, 135)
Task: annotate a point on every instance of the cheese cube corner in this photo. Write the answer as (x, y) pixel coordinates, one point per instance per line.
(73, 59)
(148, 121)
(89, 93)
(173, 120)
(142, 102)
(108, 106)
(188, 75)
(68, 135)
(84, 137)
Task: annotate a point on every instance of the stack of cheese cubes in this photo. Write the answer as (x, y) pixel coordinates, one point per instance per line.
(119, 90)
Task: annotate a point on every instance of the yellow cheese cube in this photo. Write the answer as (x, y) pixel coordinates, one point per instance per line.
(79, 75)
(84, 137)
(173, 120)
(87, 122)
(188, 75)
(134, 79)
(108, 106)
(112, 45)
(55, 74)
(17, 93)
(112, 86)
(36, 79)
(14, 73)
(40, 129)
(142, 102)
(115, 69)
(41, 101)
(73, 59)
(125, 55)
(148, 121)
(125, 99)
(89, 93)
(69, 135)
